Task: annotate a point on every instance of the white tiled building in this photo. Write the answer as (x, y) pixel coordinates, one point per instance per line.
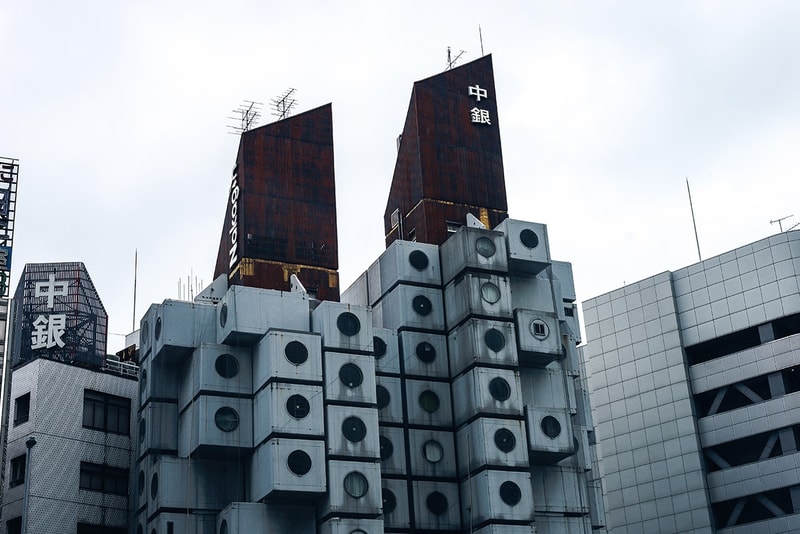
(695, 394)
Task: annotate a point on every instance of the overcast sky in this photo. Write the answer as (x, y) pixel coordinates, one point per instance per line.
(118, 113)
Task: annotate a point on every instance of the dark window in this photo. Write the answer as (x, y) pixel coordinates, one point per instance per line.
(429, 401)
(154, 486)
(426, 352)
(104, 478)
(494, 339)
(17, 471)
(86, 528)
(383, 397)
(227, 366)
(379, 347)
(297, 406)
(354, 429)
(14, 526)
(723, 345)
(529, 238)
(418, 260)
(22, 409)
(389, 501)
(296, 352)
(422, 305)
(348, 324)
(550, 426)
(485, 247)
(437, 503)
(299, 462)
(505, 440)
(510, 493)
(351, 375)
(355, 484)
(387, 449)
(105, 412)
(226, 419)
(499, 389)
(170, 527)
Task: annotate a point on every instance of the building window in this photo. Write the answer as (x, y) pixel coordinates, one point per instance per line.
(22, 409)
(104, 478)
(17, 471)
(105, 412)
(87, 528)
(14, 526)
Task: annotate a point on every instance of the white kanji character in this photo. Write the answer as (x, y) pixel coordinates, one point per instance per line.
(51, 289)
(477, 92)
(480, 116)
(39, 333)
(58, 325)
(48, 331)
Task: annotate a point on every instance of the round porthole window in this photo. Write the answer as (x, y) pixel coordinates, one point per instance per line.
(299, 462)
(539, 329)
(348, 324)
(529, 238)
(142, 382)
(551, 427)
(510, 493)
(432, 451)
(418, 260)
(485, 247)
(499, 389)
(422, 305)
(426, 352)
(142, 430)
(383, 397)
(226, 419)
(378, 347)
(296, 352)
(297, 406)
(389, 501)
(158, 328)
(358, 531)
(223, 527)
(494, 339)
(350, 375)
(387, 449)
(436, 502)
(227, 366)
(154, 486)
(355, 484)
(140, 482)
(490, 292)
(354, 429)
(429, 401)
(223, 315)
(145, 332)
(504, 440)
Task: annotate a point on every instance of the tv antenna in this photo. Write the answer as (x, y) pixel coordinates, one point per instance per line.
(283, 104)
(451, 62)
(245, 116)
(780, 223)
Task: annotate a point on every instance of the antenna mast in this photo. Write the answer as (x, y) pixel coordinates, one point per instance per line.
(283, 104)
(480, 35)
(135, 274)
(451, 62)
(694, 223)
(780, 223)
(245, 117)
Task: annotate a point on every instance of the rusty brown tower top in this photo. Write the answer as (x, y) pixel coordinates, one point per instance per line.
(281, 214)
(449, 160)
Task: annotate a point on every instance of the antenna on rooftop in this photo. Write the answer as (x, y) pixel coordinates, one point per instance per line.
(480, 35)
(283, 104)
(780, 223)
(694, 222)
(245, 116)
(451, 62)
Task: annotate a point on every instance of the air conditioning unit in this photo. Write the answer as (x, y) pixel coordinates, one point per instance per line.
(216, 369)
(394, 494)
(424, 354)
(548, 388)
(349, 377)
(157, 381)
(386, 350)
(288, 410)
(550, 435)
(246, 313)
(486, 391)
(481, 341)
(354, 489)
(528, 247)
(180, 327)
(250, 517)
(410, 307)
(392, 445)
(538, 338)
(215, 483)
(404, 262)
(488, 441)
(283, 355)
(432, 453)
(484, 295)
(288, 470)
(215, 425)
(158, 428)
(344, 327)
(428, 403)
(559, 490)
(497, 496)
(181, 522)
(473, 249)
(389, 399)
(343, 525)
(536, 293)
(436, 505)
(352, 432)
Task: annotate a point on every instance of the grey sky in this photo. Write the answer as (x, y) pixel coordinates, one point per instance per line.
(117, 112)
